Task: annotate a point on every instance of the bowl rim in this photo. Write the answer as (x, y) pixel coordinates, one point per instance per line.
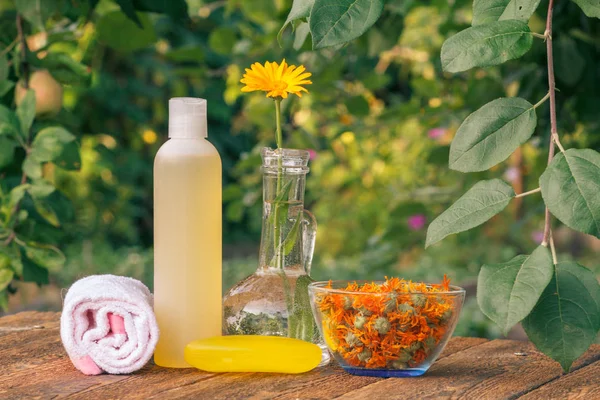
(320, 286)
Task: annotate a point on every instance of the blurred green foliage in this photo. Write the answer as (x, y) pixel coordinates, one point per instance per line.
(379, 120)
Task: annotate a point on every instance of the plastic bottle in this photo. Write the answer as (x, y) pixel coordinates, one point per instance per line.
(187, 234)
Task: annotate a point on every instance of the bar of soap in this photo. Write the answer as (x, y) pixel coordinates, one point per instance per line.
(249, 353)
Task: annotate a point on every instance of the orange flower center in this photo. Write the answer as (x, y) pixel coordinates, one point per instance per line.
(280, 85)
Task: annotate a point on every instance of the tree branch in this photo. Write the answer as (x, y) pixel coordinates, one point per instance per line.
(25, 70)
(24, 63)
(553, 124)
(528, 193)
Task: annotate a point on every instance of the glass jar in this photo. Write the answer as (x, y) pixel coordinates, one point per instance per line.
(274, 300)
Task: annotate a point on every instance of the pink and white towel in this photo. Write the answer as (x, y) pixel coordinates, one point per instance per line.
(108, 325)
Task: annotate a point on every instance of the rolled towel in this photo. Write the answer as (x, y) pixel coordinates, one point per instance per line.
(108, 325)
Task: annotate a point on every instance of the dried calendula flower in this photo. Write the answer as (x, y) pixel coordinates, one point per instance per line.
(382, 325)
(396, 324)
(359, 321)
(347, 302)
(446, 316)
(405, 308)
(365, 311)
(414, 346)
(419, 300)
(391, 304)
(364, 355)
(352, 339)
(404, 356)
(429, 343)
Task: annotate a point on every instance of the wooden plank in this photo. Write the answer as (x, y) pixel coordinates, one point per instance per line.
(497, 369)
(54, 378)
(34, 364)
(26, 321)
(322, 383)
(29, 339)
(581, 384)
(145, 383)
(33, 361)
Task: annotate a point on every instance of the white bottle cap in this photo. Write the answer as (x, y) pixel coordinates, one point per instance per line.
(187, 118)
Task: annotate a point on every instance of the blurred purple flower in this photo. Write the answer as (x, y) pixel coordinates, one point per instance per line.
(512, 174)
(436, 133)
(416, 222)
(537, 236)
(312, 154)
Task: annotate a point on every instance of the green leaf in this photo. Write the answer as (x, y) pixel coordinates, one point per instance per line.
(301, 33)
(507, 292)
(17, 193)
(6, 276)
(53, 207)
(570, 187)
(26, 112)
(45, 255)
(34, 273)
(281, 205)
(10, 257)
(176, 9)
(40, 189)
(222, 40)
(7, 151)
(129, 10)
(300, 9)
(491, 134)
(9, 123)
(439, 156)
(36, 12)
(44, 208)
(566, 319)
(4, 301)
(486, 45)
(484, 200)
(58, 145)
(569, 62)
(303, 323)
(70, 158)
(5, 258)
(66, 70)
(591, 8)
(335, 23)
(486, 11)
(5, 86)
(117, 31)
(3, 67)
(186, 54)
(32, 167)
(49, 142)
(292, 237)
(284, 192)
(259, 11)
(358, 106)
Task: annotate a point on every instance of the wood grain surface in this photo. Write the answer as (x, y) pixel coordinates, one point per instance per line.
(34, 365)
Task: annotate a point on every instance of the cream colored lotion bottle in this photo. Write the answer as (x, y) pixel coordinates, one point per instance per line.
(187, 234)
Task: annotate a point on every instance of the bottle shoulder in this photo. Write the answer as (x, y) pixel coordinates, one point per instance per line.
(175, 148)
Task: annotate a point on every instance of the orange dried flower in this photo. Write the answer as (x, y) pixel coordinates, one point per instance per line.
(398, 326)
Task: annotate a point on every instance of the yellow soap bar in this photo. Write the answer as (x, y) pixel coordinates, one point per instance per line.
(247, 353)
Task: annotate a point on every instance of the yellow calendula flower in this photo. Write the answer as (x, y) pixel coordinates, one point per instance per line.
(278, 80)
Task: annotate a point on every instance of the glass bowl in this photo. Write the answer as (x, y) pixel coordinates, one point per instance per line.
(396, 333)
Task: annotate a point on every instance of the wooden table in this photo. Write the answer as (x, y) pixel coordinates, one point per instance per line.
(33, 364)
